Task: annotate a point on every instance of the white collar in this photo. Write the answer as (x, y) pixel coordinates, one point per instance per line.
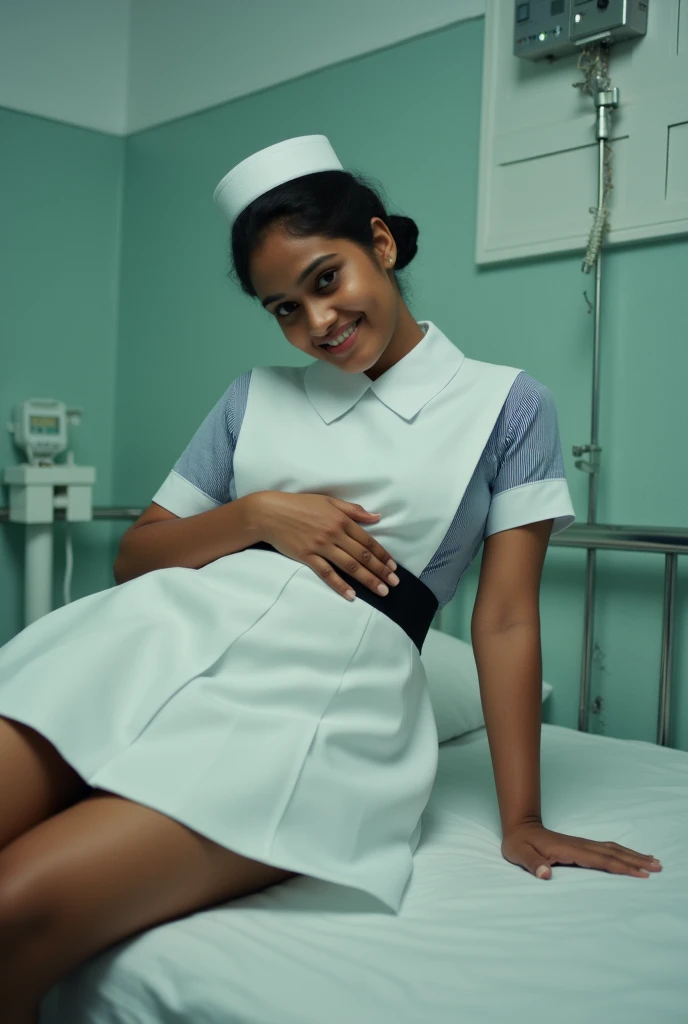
(405, 388)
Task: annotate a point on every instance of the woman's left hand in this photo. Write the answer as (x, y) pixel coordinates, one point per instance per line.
(535, 848)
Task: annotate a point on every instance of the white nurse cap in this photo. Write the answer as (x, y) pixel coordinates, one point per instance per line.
(270, 167)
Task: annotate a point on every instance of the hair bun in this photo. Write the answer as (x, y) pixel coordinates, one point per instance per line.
(405, 232)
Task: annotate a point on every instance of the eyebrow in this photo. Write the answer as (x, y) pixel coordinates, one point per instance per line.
(302, 276)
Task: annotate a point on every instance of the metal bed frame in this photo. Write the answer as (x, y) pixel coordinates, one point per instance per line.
(592, 537)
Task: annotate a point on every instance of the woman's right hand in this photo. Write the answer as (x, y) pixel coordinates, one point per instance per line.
(323, 532)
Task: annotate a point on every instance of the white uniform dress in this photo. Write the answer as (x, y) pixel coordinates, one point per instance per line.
(247, 699)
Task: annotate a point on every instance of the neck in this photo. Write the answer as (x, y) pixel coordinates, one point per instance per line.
(406, 336)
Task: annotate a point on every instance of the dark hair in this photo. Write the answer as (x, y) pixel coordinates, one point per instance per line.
(334, 204)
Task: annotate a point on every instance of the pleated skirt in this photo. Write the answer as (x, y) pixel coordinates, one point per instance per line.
(248, 701)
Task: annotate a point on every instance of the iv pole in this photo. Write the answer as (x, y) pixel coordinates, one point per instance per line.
(606, 100)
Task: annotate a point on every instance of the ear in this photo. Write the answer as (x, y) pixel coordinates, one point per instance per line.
(383, 243)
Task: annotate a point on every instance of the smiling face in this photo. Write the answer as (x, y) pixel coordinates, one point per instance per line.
(317, 288)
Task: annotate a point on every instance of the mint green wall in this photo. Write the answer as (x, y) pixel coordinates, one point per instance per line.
(60, 201)
(410, 117)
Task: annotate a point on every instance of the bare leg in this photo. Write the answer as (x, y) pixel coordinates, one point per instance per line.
(35, 780)
(100, 871)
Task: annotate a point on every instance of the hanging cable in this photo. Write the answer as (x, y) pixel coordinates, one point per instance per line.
(594, 64)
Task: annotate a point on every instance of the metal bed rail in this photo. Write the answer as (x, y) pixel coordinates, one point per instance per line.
(671, 542)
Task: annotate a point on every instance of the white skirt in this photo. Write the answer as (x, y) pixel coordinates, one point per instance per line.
(248, 701)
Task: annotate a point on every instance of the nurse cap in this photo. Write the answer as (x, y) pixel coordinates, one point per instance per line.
(271, 167)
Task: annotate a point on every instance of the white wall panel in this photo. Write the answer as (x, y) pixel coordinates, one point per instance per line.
(538, 153)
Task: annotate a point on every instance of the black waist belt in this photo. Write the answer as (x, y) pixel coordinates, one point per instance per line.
(410, 604)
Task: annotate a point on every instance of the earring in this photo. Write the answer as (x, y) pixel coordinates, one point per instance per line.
(389, 259)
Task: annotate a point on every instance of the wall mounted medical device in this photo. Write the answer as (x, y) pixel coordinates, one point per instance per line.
(555, 28)
(40, 486)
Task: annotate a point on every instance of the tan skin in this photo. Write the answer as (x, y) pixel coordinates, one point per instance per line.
(341, 289)
(59, 838)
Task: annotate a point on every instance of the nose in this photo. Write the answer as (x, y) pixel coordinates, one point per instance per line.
(320, 322)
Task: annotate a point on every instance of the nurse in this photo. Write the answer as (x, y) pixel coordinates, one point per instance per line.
(286, 665)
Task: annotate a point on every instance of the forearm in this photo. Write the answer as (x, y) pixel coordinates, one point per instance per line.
(191, 542)
(509, 666)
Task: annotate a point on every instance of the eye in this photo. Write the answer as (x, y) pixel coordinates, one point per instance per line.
(333, 271)
(281, 306)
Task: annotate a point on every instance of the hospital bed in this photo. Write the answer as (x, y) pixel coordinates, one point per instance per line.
(478, 940)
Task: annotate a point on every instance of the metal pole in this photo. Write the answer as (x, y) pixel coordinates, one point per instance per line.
(657, 540)
(38, 571)
(663, 718)
(591, 563)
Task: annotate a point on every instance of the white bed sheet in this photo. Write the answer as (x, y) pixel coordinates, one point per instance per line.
(478, 940)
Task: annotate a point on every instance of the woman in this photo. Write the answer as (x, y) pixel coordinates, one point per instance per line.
(232, 714)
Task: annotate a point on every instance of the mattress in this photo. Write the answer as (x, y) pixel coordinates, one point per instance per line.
(478, 940)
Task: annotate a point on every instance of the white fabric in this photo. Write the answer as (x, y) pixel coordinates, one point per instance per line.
(478, 940)
(517, 506)
(173, 686)
(224, 698)
(405, 446)
(270, 167)
(523, 448)
(179, 494)
(454, 686)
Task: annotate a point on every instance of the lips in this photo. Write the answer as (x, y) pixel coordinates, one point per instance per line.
(340, 330)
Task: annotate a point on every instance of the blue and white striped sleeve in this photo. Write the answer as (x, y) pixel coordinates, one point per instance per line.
(530, 484)
(202, 478)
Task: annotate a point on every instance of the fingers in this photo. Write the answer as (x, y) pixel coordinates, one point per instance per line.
(368, 562)
(607, 856)
(370, 571)
(634, 853)
(625, 861)
(600, 862)
(540, 853)
(327, 573)
(369, 551)
(326, 569)
(347, 546)
(616, 863)
(640, 861)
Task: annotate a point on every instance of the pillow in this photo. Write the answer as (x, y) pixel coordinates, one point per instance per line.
(453, 684)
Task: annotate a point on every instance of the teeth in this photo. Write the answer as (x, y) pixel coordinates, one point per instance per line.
(342, 337)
